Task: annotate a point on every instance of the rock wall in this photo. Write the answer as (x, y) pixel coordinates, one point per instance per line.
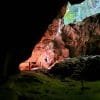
(62, 41)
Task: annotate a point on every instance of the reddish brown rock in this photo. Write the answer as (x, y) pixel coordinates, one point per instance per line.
(50, 48)
(62, 41)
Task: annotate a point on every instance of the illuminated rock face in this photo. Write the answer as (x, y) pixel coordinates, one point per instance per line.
(50, 49)
(62, 41)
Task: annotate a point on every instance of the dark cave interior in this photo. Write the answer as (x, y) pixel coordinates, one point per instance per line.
(24, 24)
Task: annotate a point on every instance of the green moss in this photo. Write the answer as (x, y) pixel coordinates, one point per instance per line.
(39, 86)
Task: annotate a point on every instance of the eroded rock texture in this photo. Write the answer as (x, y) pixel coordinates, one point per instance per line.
(84, 37)
(62, 41)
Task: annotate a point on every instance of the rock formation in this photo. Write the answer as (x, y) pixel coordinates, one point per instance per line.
(81, 68)
(62, 41)
(80, 37)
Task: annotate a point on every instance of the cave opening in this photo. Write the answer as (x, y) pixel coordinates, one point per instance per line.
(64, 37)
(34, 26)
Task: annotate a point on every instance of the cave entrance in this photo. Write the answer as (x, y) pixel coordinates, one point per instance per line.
(58, 43)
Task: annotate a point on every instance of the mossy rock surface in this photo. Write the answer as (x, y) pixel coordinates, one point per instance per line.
(39, 86)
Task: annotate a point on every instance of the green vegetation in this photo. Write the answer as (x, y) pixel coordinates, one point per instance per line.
(39, 86)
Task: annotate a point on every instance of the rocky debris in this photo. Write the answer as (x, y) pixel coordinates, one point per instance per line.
(86, 67)
(62, 41)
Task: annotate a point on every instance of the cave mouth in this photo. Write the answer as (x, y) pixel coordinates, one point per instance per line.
(78, 12)
(59, 42)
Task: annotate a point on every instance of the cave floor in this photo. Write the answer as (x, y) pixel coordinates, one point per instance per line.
(39, 86)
